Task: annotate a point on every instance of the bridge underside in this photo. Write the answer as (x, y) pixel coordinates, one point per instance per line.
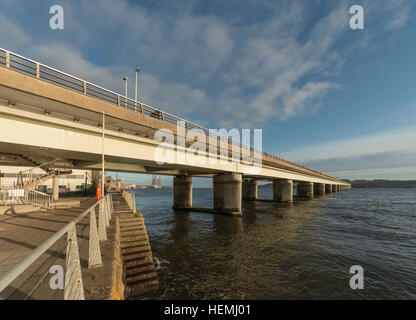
(38, 137)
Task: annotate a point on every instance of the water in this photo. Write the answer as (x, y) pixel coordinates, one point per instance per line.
(278, 251)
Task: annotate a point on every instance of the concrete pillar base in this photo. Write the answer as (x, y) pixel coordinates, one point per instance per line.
(283, 190)
(182, 192)
(305, 190)
(228, 193)
(250, 189)
(319, 189)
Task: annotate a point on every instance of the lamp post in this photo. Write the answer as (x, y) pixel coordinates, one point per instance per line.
(126, 80)
(136, 94)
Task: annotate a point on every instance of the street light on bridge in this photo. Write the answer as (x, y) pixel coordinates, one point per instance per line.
(136, 95)
(126, 80)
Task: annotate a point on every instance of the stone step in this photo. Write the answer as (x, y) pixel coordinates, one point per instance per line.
(133, 232)
(140, 254)
(132, 244)
(134, 238)
(135, 248)
(137, 262)
(144, 287)
(132, 228)
(136, 268)
(131, 223)
(134, 278)
(130, 218)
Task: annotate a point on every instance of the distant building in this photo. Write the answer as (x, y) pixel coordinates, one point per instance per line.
(113, 185)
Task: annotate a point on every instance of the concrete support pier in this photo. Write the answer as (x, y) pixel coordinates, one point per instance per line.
(338, 187)
(283, 190)
(250, 189)
(319, 189)
(182, 192)
(334, 188)
(55, 188)
(228, 193)
(305, 190)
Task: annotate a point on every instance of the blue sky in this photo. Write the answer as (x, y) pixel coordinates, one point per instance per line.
(339, 100)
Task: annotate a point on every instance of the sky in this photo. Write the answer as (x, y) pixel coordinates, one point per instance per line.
(337, 100)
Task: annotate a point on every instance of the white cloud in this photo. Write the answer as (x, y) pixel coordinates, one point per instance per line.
(11, 36)
(178, 97)
(400, 140)
(398, 13)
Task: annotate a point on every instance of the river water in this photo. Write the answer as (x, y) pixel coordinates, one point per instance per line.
(279, 251)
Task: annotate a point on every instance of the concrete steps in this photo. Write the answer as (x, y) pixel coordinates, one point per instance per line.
(139, 274)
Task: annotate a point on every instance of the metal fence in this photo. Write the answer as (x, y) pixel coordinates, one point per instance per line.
(32, 68)
(11, 196)
(38, 198)
(73, 289)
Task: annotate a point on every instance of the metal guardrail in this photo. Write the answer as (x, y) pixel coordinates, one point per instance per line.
(130, 199)
(32, 68)
(73, 289)
(40, 199)
(12, 196)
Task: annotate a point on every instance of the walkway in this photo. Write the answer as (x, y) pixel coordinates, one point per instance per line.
(21, 233)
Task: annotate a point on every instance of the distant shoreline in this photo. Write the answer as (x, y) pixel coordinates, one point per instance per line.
(383, 184)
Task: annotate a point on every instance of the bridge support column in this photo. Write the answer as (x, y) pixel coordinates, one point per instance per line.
(328, 189)
(182, 192)
(319, 189)
(250, 189)
(305, 190)
(338, 188)
(283, 190)
(228, 193)
(334, 188)
(55, 188)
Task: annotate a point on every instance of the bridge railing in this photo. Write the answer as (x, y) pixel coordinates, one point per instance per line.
(30, 67)
(73, 289)
(130, 199)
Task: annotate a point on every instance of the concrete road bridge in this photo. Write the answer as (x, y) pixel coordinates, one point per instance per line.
(46, 114)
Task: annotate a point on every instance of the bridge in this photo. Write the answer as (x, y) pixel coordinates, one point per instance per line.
(48, 115)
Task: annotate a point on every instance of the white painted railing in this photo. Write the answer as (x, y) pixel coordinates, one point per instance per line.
(130, 199)
(73, 289)
(40, 199)
(11, 195)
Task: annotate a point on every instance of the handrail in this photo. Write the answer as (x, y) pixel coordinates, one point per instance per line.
(40, 199)
(130, 199)
(73, 278)
(127, 103)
